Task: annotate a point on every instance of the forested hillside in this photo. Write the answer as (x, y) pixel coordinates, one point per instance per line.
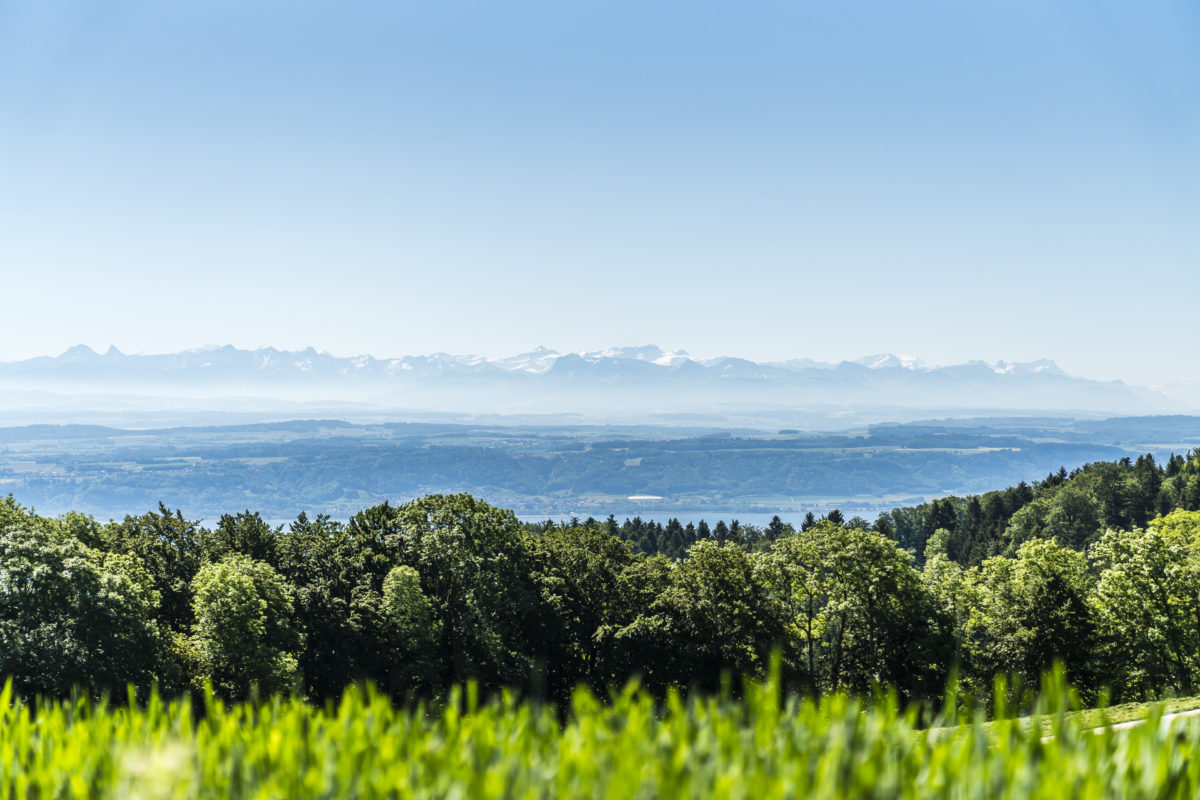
(1072, 508)
(1098, 568)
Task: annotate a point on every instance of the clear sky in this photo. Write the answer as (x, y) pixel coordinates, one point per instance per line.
(1001, 180)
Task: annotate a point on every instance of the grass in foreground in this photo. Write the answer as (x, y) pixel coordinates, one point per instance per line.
(630, 748)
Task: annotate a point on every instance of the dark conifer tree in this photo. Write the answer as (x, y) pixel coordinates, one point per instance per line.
(942, 515)
(672, 542)
(1174, 465)
(776, 528)
(883, 524)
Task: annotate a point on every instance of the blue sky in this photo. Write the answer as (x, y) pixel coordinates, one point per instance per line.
(945, 179)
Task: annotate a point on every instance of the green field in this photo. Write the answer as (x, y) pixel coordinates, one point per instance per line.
(629, 747)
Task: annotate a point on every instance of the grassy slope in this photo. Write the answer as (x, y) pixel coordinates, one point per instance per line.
(1090, 718)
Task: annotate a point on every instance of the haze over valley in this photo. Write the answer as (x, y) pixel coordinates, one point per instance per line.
(621, 384)
(557, 468)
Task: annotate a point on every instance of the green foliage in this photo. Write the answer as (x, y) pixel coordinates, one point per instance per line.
(337, 606)
(716, 614)
(1147, 602)
(423, 596)
(246, 533)
(168, 547)
(1028, 612)
(71, 616)
(589, 584)
(243, 637)
(858, 612)
(948, 588)
(1074, 509)
(474, 567)
(408, 609)
(412, 632)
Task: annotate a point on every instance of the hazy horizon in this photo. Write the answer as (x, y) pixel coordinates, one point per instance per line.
(995, 181)
(640, 384)
(909, 361)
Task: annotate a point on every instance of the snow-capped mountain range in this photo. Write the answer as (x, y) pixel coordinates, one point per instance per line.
(626, 378)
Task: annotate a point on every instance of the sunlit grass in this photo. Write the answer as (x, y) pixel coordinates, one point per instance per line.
(624, 747)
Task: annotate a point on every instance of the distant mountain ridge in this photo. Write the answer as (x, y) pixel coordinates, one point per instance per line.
(655, 379)
(538, 361)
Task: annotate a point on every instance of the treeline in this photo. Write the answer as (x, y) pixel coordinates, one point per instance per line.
(420, 597)
(1072, 508)
(674, 538)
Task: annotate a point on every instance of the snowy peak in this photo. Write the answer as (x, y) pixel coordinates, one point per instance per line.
(1043, 366)
(648, 352)
(673, 359)
(540, 360)
(536, 362)
(797, 364)
(889, 361)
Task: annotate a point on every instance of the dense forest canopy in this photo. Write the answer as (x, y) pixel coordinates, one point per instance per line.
(1097, 568)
